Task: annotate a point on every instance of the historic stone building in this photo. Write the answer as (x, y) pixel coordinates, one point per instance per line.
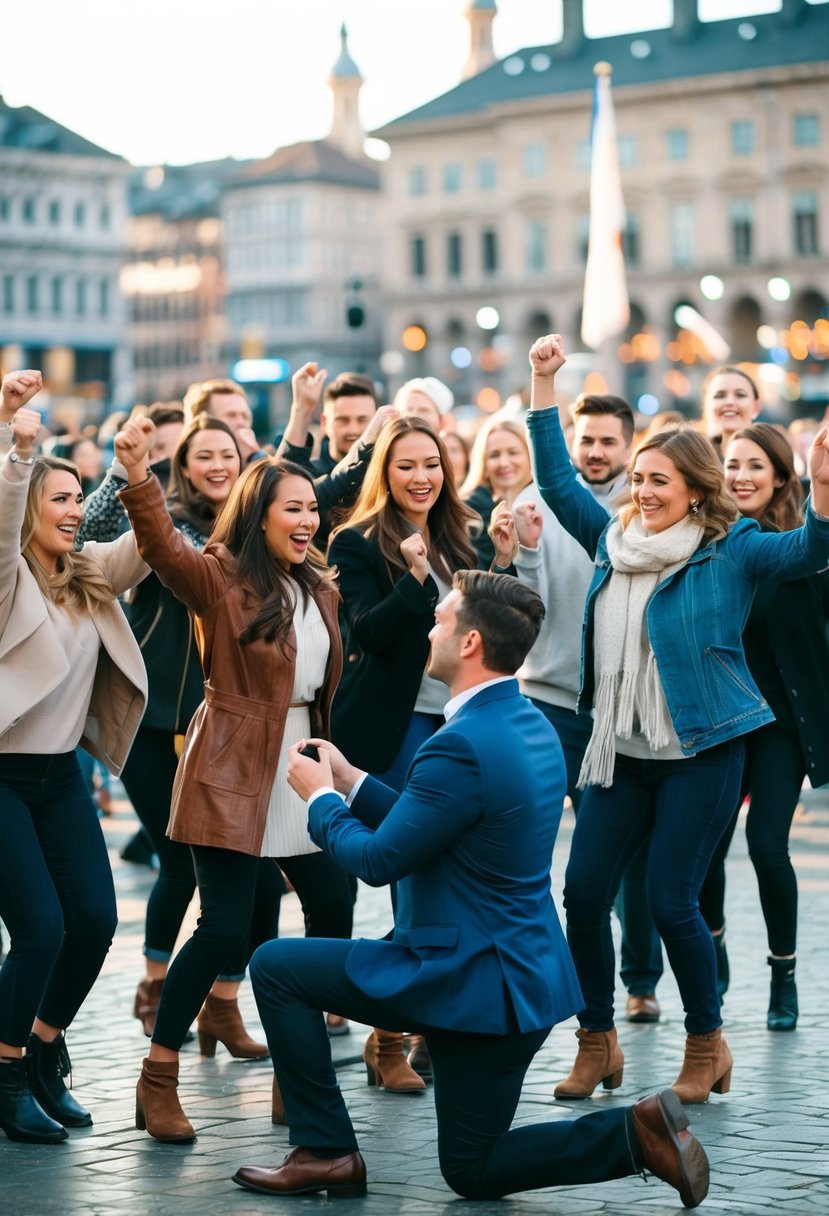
(723, 135)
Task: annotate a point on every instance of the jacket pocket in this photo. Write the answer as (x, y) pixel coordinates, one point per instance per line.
(235, 744)
(729, 684)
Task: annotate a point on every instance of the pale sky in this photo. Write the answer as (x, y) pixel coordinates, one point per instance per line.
(177, 81)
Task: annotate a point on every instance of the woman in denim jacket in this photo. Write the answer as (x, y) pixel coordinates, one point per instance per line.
(664, 668)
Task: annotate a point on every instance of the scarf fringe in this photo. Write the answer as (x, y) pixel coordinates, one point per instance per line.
(600, 754)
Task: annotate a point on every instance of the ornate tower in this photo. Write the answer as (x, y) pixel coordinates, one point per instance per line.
(345, 80)
(480, 16)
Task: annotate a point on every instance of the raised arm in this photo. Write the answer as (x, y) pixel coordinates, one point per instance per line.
(571, 502)
(14, 490)
(197, 579)
(103, 511)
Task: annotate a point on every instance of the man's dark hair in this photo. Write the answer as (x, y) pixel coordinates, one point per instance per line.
(506, 612)
(162, 412)
(350, 384)
(605, 403)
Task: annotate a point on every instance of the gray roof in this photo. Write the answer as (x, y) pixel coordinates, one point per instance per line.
(186, 191)
(312, 161)
(798, 34)
(23, 127)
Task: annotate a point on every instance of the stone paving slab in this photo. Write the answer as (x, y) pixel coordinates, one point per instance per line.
(768, 1139)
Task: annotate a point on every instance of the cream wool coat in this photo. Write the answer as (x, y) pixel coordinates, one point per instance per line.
(32, 660)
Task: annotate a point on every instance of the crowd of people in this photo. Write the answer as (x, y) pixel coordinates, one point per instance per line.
(386, 653)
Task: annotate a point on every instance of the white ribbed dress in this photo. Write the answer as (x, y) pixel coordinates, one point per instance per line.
(286, 833)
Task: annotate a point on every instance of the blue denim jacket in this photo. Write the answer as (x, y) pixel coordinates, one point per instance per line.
(696, 616)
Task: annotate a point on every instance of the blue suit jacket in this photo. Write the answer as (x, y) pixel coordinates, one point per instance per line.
(477, 945)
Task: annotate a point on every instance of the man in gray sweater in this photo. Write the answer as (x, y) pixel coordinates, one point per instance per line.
(555, 565)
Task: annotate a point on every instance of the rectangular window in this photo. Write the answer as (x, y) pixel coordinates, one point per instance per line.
(805, 221)
(80, 297)
(80, 215)
(582, 237)
(489, 250)
(418, 183)
(628, 151)
(32, 300)
(452, 175)
(103, 298)
(54, 212)
(487, 173)
(8, 293)
(454, 255)
(105, 216)
(741, 221)
(417, 257)
(742, 138)
(535, 246)
(5, 207)
(630, 240)
(29, 210)
(57, 296)
(682, 234)
(535, 160)
(806, 130)
(677, 140)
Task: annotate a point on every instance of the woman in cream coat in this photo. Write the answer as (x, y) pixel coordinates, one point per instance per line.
(70, 672)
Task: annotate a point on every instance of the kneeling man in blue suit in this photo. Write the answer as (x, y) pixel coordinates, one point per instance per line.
(477, 961)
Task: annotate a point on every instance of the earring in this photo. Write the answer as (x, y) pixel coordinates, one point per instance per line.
(694, 506)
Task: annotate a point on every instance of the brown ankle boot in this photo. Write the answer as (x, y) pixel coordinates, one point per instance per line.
(145, 1006)
(220, 1021)
(599, 1058)
(419, 1057)
(386, 1066)
(278, 1116)
(706, 1067)
(157, 1108)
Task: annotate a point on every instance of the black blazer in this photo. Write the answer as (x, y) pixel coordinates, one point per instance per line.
(386, 618)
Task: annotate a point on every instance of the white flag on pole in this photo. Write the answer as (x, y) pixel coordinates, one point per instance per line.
(606, 309)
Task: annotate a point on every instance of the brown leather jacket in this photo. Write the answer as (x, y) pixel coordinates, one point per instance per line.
(227, 769)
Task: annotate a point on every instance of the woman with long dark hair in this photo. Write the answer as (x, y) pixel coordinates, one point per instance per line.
(265, 614)
(70, 673)
(786, 649)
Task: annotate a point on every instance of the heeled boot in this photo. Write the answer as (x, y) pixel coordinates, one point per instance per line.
(278, 1116)
(22, 1117)
(419, 1058)
(49, 1063)
(783, 1008)
(221, 1022)
(599, 1059)
(706, 1068)
(723, 969)
(386, 1065)
(145, 1005)
(157, 1108)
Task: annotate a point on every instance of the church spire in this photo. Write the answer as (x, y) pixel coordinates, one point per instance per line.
(345, 80)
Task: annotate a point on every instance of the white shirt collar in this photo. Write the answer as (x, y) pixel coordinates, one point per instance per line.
(452, 707)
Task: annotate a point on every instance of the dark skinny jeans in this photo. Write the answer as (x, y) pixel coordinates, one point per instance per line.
(227, 883)
(687, 805)
(56, 893)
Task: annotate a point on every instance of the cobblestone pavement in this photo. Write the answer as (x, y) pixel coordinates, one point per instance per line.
(768, 1139)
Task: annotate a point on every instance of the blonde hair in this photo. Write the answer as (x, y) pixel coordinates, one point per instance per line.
(476, 476)
(697, 461)
(78, 583)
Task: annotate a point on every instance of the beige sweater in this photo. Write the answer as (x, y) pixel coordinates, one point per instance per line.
(33, 661)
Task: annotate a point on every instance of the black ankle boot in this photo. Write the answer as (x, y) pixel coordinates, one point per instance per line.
(783, 1009)
(21, 1116)
(723, 969)
(48, 1064)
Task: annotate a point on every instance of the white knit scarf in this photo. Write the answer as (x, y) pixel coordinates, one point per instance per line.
(628, 687)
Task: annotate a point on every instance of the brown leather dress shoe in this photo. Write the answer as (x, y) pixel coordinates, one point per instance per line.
(643, 1008)
(301, 1173)
(667, 1147)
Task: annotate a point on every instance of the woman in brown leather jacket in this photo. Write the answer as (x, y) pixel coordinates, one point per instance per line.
(266, 627)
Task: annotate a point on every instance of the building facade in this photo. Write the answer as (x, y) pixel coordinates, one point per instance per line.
(63, 237)
(723, 136)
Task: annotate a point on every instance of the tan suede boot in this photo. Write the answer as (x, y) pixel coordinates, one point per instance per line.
(387, 1066)
(157, 1108)
(599, 1058)
(706, 1067)
(145, 1006)
(220, 1021)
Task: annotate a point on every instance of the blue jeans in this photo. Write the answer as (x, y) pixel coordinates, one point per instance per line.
(686, 805)
(56, 892)
(478, 1080)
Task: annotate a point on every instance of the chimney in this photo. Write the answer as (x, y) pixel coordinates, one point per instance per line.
(686, 20)
(572, 33)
